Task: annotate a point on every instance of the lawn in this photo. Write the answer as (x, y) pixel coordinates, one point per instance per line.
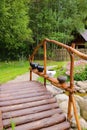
(9, 70)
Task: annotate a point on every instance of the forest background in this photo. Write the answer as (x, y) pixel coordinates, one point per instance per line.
(24, 23)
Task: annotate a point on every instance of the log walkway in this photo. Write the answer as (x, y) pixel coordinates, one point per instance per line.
(30, 107)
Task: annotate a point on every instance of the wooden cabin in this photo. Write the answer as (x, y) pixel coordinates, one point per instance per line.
(81, 39)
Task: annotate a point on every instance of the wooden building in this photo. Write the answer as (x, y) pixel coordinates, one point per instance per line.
(81, 39)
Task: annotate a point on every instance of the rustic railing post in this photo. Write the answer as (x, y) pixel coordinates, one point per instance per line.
(45, 58)
(30, 74)
(71, 94)
(70, 89)
(71, 82)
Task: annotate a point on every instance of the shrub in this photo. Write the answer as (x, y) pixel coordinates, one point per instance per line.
(82, 75)
(80, 70)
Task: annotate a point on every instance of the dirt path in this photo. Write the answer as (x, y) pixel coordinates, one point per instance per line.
(26, 76)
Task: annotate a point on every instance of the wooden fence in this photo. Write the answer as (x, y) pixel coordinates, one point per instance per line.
(63, 55)
(59, 55)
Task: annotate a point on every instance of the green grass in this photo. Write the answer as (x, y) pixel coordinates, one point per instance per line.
(59, 69)
(10, 70)
(12, 126)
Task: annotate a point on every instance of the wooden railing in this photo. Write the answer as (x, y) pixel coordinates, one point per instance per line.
(70, 88)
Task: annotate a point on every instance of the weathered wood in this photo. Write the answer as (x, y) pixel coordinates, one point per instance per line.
(71, 83)
(27, 105)
(54, 81)
(42, 123)
(79, 54)
(12, 90)
(1, 124)
(45, 57)
(24, 100)
(19, 85)
(22, 92)
(75, 112)
(64, 86)
(23, 96)
(31, 117)
(26, 111)
(62, 126)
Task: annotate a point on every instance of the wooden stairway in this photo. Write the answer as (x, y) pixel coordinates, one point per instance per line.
(31, 107)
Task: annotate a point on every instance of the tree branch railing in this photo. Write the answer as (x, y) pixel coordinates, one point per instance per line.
(70, 88)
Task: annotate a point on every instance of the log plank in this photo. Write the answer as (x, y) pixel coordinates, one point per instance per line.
(62, 126)
(25, 100)
(21, 92)
(28, 105)
(23, 96)
(42, 123)
(1, 123)
(26, 111)
(30, 118)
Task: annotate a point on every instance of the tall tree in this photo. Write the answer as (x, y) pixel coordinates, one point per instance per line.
(14, 31)
(57, 19)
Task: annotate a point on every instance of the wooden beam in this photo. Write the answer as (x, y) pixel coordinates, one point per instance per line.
(1, 124)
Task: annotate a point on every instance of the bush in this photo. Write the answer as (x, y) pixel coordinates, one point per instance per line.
(82, 75)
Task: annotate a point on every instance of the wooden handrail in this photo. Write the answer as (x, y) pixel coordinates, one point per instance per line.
(69, 49)
(35, 50)
(69, 88)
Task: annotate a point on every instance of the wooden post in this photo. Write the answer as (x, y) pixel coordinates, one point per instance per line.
(30, 74)
(45, 58)
(1, 123)
(71, 83)
(75, 112)
(71, 95)
(69, 108)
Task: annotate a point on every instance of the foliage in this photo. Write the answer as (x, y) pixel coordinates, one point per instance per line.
(63, 68)
(14, 29)
(25, 22)
(57, 19)
(82, 75)
(12, 126)
(80, 70)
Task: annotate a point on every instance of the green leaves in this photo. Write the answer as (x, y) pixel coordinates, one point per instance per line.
(57, 19)
(14, 30)
(24, 19)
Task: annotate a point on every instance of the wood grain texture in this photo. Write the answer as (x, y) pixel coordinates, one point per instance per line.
(1, 124)
(30, 106)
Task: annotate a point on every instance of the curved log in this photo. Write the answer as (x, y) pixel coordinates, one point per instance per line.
(70, 49)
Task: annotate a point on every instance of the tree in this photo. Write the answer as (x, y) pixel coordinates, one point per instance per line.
(14, 31)
(57, 19)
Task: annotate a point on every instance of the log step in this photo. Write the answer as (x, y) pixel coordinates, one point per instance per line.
(30, 107)
(55, 119)
(27, 105)
(30, 118)
(23, 96)
(61, 126)
(26, 111)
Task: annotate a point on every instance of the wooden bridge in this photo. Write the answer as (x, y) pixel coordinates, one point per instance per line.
(30, 106)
